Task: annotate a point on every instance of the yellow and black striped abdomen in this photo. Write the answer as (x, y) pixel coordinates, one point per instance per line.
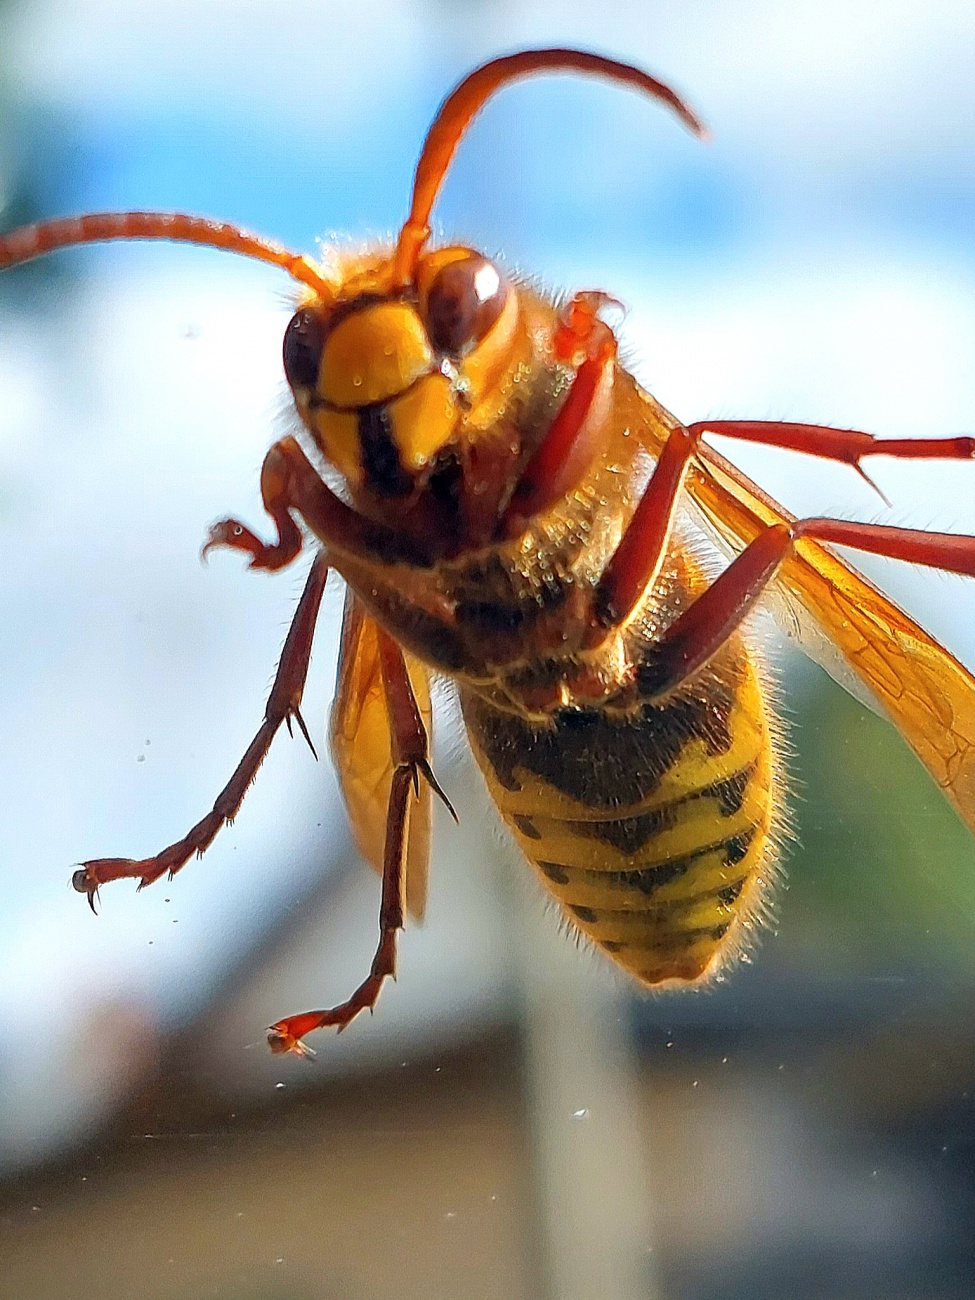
(652, 827)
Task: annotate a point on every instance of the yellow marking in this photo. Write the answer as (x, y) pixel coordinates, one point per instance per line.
(374, 354)
(337, 433)
(710, 871)
(697, 823)
(422, 420)
(660, 929)
(654, 951)
(696, 768)
(599, 890)
(685, 966)
(483, 368)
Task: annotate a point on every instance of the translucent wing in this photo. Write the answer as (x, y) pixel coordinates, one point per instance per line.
(922, 688)
(360, 742)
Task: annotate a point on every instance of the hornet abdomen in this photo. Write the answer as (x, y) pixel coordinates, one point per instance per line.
(653, 825)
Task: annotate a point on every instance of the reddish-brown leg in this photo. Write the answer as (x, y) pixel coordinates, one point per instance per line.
(634, 565)
(703, 628)
(847, 445)
(282, 705)
(575, 436)
(410, 754)
(636, 561)
(289, 482)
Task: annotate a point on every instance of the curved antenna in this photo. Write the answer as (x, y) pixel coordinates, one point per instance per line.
(464, 103)
(34, 241)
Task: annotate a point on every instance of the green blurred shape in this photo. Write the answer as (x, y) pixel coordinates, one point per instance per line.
(883, 875)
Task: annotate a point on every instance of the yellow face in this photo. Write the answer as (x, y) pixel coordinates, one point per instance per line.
(385, 380)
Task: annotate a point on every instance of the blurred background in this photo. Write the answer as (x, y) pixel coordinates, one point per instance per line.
(514, 1121)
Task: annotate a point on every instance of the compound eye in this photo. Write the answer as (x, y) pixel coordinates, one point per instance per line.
(303, 342)
(464, 300)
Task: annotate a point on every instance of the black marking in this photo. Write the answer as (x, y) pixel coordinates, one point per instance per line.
(586, 913)
(657, 672)
(527, 828)
(430, 636)
(649, 879)
(600, 759)
(726, 895)
(580, 720)
(646, 880)
(318, 403)
(554, 871)
(490, 618)
(629, 834)
(611, 945)
(737, 847)
(663, 917)
(445, 485)
(352, 306)
(653, 941)
(494, 599)
(442, 488)
(729, 893)
(380, 458)
(730, 792)
(542, 674)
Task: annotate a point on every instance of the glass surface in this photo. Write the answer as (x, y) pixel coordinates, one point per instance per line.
(515, 1120)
